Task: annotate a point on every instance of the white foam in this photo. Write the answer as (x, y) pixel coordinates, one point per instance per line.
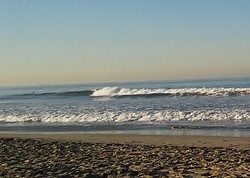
(116, 91)
(140, 116)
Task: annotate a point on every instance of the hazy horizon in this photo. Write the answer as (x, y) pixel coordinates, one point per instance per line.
(63, 42)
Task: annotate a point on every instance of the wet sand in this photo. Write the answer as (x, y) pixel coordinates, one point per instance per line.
(80, 155)
(197, 141)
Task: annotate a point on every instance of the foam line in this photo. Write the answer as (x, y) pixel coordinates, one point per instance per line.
(129, 116)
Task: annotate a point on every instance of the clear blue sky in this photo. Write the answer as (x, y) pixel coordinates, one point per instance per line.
(65, 41)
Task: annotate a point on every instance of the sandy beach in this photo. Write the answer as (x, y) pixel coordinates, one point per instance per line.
(96, 155)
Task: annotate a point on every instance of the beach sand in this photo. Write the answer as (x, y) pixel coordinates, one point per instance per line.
(96, 155)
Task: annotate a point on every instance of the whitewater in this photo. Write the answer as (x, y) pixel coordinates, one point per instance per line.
(116, 91)
(220, 106)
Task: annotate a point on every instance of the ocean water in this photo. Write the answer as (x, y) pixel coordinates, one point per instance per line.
(185, 107)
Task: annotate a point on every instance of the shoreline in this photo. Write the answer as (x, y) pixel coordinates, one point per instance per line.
(159, 140)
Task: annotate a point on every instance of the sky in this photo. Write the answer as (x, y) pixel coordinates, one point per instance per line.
(85, 41)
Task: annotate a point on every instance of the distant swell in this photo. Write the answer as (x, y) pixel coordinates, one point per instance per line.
(68, 93)
(75, 93)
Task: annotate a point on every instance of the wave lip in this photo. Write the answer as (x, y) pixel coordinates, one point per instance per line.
(116, 91)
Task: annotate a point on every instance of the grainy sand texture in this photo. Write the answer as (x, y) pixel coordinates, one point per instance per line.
(80, 155)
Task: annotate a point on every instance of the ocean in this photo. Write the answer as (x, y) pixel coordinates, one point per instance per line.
(215, 107)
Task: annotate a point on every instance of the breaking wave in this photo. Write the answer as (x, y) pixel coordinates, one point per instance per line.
(116, 91)
(144, 92)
